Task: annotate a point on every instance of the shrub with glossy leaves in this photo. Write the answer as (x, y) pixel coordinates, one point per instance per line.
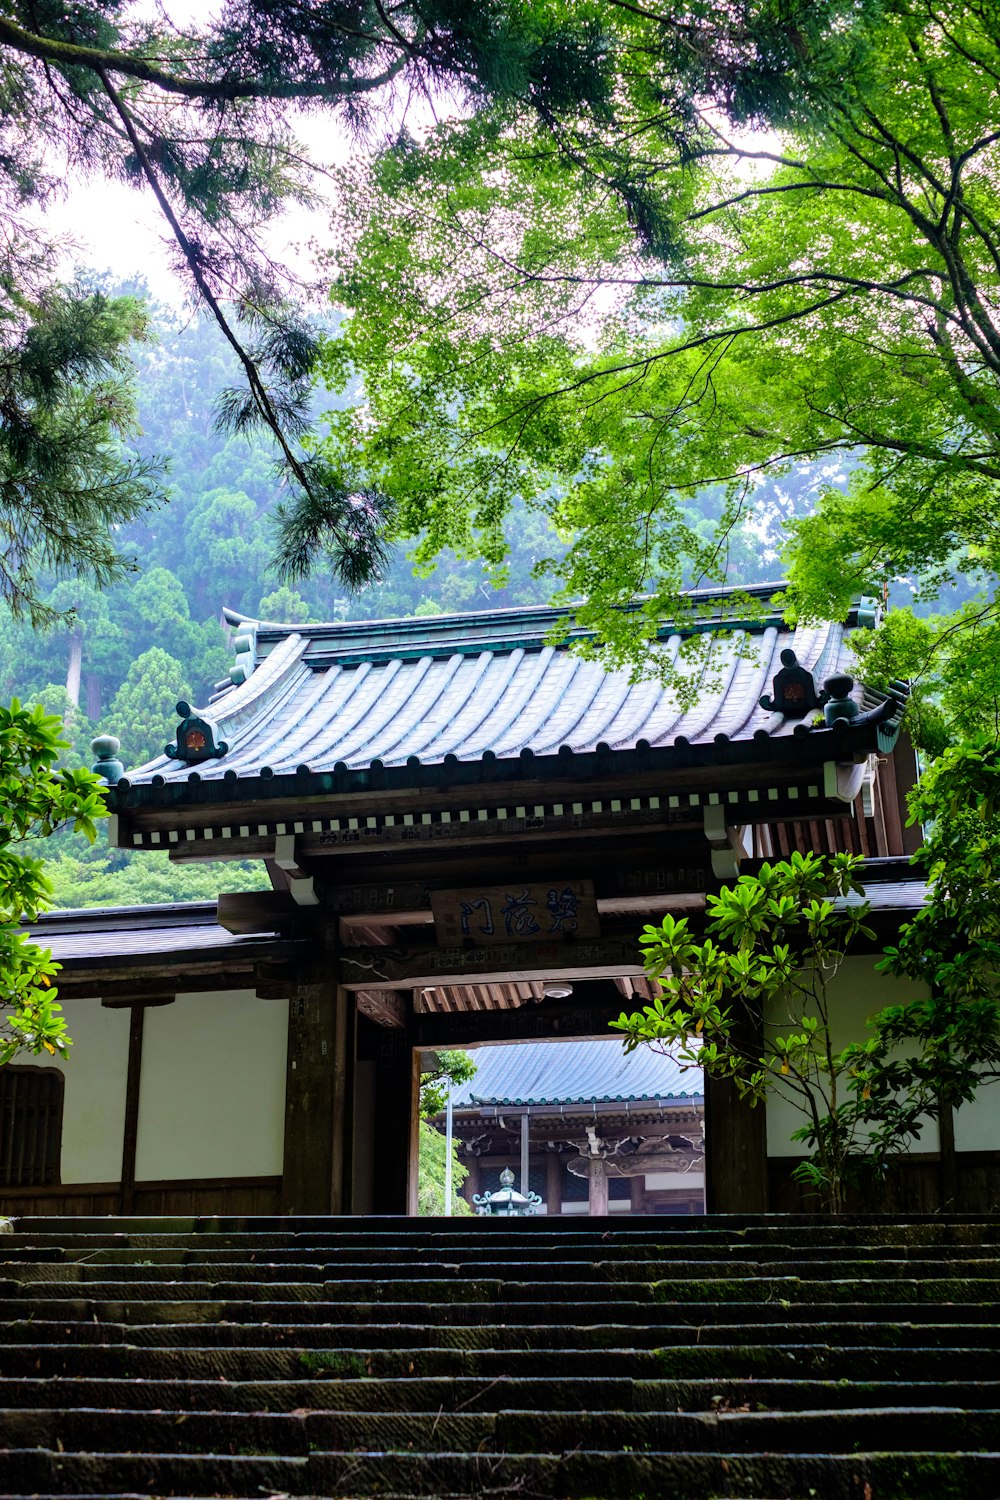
(35, 800)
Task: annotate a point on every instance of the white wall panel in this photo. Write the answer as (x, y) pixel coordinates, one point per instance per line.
(856, 993)
(212, 1101)
(94, 1101)
(977, 1125)
(659, 1180)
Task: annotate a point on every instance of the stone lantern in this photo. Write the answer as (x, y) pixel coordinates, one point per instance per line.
(506, 1201)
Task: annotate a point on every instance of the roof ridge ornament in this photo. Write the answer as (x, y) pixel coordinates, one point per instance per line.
(245, 646)
(794, 690)
(197, 738)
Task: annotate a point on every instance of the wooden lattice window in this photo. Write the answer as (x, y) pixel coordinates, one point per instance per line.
(31, 1109)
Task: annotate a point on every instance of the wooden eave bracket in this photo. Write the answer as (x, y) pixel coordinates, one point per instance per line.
(843, 780)
(246, 913)
(300, 883)
(725, 842)
(126, 1002)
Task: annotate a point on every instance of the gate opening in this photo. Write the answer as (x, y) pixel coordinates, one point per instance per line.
(588, 1129)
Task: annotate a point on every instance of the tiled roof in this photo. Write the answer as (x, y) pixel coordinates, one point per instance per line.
(98, 937)
(461, 689)
(892, 896)
(594, 1072)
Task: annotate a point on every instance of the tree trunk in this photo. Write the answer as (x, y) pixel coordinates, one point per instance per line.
(75, 666)
(93, 697)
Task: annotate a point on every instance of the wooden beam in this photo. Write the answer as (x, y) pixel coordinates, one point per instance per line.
(248, 912)
(549, 1020)
(430, 966)
(618, 874)
(384, 1007)
(778, 765)
(677, 1162)
(131, 1001)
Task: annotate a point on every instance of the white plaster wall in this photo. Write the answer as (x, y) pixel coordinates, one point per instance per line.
(659, 1180)
(212, 1100)
(977, 1125)
(95, 1070)
(856, 993)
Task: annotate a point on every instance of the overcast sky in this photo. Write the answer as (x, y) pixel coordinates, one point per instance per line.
(120, 229)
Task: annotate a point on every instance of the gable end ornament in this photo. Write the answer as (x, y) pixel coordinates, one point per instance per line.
(197, 739)
(793, 690)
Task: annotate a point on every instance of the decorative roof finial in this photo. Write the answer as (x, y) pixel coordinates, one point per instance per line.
(840, 707)
(105, 747)
(795, 692)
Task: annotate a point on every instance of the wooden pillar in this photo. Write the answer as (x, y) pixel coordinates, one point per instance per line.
(735, 1151)
(553, 1183)
(735, 1138)
(948, 1185)
(637, 1194)
(413, 1135)
(126, 1195)
(471, 1184)
(904, 770)
(397, 1083)
(316, 1096)
(136, 1005)
(598, 1185)
(342, 1152)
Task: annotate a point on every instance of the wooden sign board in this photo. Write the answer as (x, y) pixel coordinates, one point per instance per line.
(528, 912)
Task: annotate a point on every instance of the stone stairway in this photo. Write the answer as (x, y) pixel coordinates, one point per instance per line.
(783, 1357)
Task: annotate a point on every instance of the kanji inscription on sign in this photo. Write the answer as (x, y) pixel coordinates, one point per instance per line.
(519, 912)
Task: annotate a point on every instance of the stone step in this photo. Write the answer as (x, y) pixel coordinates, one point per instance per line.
(490, 1394)
(694, 1232)
(907, 1429)
(492, 1334)
(137, 1311)
(741, 1356)
(400, 1225)
(776, 1289)
(612, 1475)
(473, 1254)
(622, 1269)
(728, 1361)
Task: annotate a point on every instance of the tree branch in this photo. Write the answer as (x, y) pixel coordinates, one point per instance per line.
(262, 399)
(101, 61)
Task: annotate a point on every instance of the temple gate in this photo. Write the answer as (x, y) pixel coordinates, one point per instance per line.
(466, 827)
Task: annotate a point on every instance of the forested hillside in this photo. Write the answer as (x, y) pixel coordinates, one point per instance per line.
(132, 650)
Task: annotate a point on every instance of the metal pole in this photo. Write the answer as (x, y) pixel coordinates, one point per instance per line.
(524, 1153)
(447, 1155)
